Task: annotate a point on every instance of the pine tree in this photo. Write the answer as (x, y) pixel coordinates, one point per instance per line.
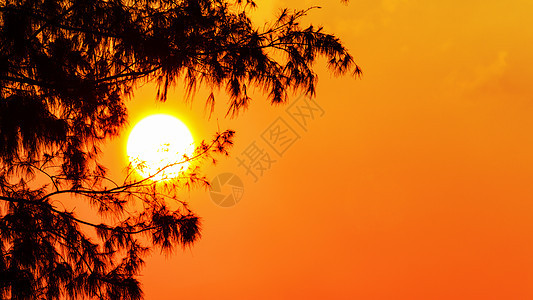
(66, 69)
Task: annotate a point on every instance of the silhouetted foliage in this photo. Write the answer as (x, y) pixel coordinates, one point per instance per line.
(66, 68)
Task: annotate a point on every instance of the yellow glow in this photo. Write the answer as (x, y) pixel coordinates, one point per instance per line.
(159, 141)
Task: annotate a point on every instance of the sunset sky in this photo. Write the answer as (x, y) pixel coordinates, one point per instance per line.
(413, 182)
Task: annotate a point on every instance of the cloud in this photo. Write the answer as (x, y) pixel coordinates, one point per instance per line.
(471, 77)
(489, 74)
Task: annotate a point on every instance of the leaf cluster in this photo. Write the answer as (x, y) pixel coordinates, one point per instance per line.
(48, 252)
(67, 68)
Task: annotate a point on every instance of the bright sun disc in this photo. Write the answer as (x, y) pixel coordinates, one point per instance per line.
(158, 141)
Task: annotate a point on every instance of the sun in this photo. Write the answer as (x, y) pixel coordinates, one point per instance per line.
(158, 147)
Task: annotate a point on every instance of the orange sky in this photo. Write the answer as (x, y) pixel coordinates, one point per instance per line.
(416, 183)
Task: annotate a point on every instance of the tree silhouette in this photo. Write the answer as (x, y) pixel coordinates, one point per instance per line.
(66, 69)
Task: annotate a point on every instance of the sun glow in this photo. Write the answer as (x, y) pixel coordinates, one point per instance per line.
(159, 146)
